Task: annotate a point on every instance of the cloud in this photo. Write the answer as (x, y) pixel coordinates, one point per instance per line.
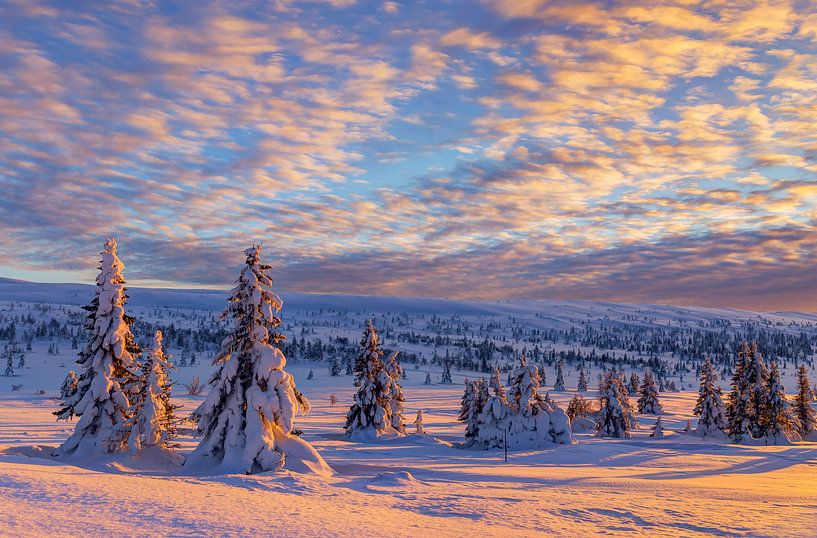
(536, 148)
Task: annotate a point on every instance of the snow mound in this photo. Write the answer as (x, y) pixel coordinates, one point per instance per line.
(394, 478)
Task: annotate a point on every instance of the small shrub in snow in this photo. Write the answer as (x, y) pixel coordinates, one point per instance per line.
(418, 423)
(657, 431)
(194, 388)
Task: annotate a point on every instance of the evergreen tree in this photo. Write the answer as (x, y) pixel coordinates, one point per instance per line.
(473, 400)
(396, 399)
(803, 412)
(369, 351)
(780, 425)
(657, 430)
(246, 421)
(445, 378)
(757, 377)
(615, 416)
(634, 382)
(108, 379)
(560, 377)
(9, 371)
(648, 402)
(154, 421)
(428, 379)
(709, 407)
(582, 385)
(371, 414)
(737, 411)
(418, 423)
(334, 368)
(493, 420)
(311, 374)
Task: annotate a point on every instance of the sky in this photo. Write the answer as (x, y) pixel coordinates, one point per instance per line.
(637, 151)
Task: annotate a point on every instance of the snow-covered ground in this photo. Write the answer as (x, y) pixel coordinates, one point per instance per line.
(417, 485)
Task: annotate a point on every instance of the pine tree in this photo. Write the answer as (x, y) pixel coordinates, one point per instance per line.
(311, 374)
(445, 378)
(9, 371)
(559, 385)
(737, 412)
(757, 377)
(657, 429)
(108, 379)
(154, 421)
(582, 385)
(396, 399)
(246, 421)
(369, 350)
(418, 423)
(69, 386)
(634, 382)
(334, 368)
(709, 407)
(428, 379)
(615, 416)
(803, 412)
(473, 400)
(780, 425)
(370, 415)
(493, 419)
(648, 402)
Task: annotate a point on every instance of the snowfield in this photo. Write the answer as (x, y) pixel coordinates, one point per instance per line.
(416, 485)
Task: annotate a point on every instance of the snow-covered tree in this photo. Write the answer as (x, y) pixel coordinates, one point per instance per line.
(445, 378)
(780, 427)
(69, 386)
(396, 399)
(428, 379)
(493, 420)
(615, 415)
(418, 423)
(246, 421)
(371, 414)
(657, 431)
(559, 385)
(108, 379)
(9, 371)
(648, 402)
(369, 350)
(802, 409)
(154, 422)
(709, 407)
(635, 383)
(334, 368)
(582, 385)
(737, 411)
(311, 374)
(473, 400)
(758, 390)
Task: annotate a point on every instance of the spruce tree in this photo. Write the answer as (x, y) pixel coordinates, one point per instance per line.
(445, 378)
(560, 377)
(648, 402)
(635, 383)
(473, 400)
(246, 421)
(709, 407)
(418, 423)
(803, 411)
(737, 411)
(615, 415)
(779, 424)
(427, 379)
(108, 379)
(396, 399)
(154, 421)
(334, 368)
(9, 371)
(757, 378)
(657, 429)
(369, 350)
(582, 385)
(371, 414)
(493, 420)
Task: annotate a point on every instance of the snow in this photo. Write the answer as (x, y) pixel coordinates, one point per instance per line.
(410, 485)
